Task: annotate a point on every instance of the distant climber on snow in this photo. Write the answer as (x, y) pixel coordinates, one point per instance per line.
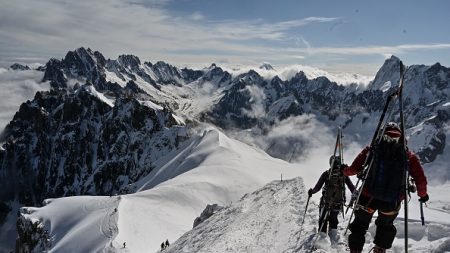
(383, 189)
(333, 194)
(167, 243)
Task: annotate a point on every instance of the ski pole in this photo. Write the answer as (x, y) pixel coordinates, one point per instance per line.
(325, 217)
(421, 214)
(304, 215)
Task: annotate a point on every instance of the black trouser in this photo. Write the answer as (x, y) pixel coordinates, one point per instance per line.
(385, 232)
(331, 220)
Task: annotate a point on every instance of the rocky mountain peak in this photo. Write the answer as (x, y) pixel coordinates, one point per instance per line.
(17, 66)
(251, 77)
(389, 72)
(83, 62)
(130, 61)
(166, 73)
(266, 66)
(299, 77)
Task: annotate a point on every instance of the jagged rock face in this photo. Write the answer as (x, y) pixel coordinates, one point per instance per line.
(54, 74)
(167, 74)
(71, 143)
(217, 76)
(389, 72)
(191, 75)
(84, 65)
(252, 99)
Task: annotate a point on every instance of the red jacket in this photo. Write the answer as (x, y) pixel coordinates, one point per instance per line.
(415, 169)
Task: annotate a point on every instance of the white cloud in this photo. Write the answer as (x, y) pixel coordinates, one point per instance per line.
(17, 87)
(295, 139)
(257, 101)
(140, 27)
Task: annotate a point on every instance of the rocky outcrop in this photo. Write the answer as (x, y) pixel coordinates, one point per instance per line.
(32, 236)
(81, 142)
(209, 211)
(17, 66)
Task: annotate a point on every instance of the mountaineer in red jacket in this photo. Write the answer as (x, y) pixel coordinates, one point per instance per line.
(383, 190)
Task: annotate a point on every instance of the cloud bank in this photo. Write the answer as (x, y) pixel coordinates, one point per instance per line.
(17, 87)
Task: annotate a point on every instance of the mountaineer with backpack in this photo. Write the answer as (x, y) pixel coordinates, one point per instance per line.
(383, 189)
(333, 194)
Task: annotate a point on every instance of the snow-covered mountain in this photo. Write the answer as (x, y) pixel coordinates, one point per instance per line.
(121, 126)
(258, 103)
(210, 168)
(254, 98)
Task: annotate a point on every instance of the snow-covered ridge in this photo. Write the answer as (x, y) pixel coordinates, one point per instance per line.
(267, 220)
(211, 169)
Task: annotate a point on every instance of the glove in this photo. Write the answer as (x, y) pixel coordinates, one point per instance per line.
(343, 166)
(424, 198)
(310, 192)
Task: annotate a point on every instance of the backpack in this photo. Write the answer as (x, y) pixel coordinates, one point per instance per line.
(334, 192)
(386, 178)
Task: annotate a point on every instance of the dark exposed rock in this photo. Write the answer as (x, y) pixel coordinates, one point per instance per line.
(54, 73)
(70, 143)
(209, 211)
(17, 66)
(32, 236)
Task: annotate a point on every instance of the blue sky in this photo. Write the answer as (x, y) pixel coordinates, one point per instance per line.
(337, 36)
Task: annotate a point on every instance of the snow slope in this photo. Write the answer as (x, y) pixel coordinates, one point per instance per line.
(269, 220)
(78, 224)
(214, 169)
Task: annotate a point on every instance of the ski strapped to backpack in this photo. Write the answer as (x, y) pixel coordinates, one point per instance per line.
(405, 155)
(376, 140)
(385, 179)
(332, 195)
(334, 190)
